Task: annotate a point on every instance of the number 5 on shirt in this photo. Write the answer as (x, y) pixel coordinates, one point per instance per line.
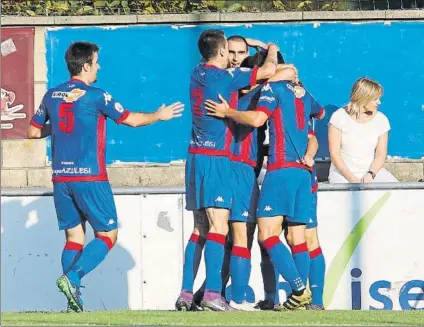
(66, 117)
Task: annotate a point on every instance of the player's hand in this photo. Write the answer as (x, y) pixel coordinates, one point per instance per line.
(270, 45)
(255, 43)
(172, 111)
(217, 109)
(308, 160)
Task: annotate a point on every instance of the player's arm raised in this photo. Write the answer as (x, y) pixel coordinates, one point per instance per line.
(256, 43)
(136, 119)
(270, 66)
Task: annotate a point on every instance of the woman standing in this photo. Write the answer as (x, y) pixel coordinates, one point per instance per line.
(358, 137)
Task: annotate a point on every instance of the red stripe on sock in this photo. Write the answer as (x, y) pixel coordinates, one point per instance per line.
(299, 248)
(315, 253)
(107, 240)
(73, 246)
(215, 237)
(241, 252)
(271, 242)
(194, 238)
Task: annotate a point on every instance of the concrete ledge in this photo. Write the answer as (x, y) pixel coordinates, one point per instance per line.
(94, 20)
(178, 18)
(261, 17)
(404, 14)
(214, 17)
(26, 21)
(344, 15)
(40, 177)
(173, 175)
(14, 178)
(406, 171)
(23, 153)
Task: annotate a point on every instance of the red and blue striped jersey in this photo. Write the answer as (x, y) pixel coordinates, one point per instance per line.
(288, 107)
(245, 145)
(210, 135)
(77, 113)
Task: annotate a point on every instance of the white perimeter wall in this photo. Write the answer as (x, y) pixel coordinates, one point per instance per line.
(144, 269)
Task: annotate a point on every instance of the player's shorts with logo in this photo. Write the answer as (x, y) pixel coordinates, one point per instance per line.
(77, 202)
(245, 193)
(286, 192)
(208, 182)
(313, 220)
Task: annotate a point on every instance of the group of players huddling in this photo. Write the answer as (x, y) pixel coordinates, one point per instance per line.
(234, 97)
(230, 107)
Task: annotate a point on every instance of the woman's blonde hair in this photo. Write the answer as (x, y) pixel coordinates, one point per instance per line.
(363, 92)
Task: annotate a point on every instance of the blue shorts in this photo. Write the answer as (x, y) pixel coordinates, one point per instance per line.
(208, 181)
(245, 193)
(313, 220)
(77, 202)
(286, 192)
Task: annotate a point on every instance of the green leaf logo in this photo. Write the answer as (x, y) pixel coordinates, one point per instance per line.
(342, 258)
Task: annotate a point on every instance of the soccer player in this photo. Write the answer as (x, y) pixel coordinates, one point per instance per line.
(317, 262)
(208, 169)
(243, 157)
(286, 190)
(77, 113)
(238, 48)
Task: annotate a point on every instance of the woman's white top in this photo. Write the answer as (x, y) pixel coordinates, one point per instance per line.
(358, 140)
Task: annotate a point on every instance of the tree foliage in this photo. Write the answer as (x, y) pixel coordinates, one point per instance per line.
(142, 7)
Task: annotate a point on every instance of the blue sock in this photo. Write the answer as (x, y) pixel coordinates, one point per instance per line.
(94, 253)
(240, 273)
(316, 275)
(225, 272)
(270, 276)
(214, 257)
(302, 260)
(284, 263)
(192, 257)
(70, 255)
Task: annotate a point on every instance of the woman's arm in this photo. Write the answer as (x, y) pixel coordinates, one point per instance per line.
(334, 144)
(379, 158)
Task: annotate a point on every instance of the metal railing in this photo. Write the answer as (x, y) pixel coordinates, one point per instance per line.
(323, 187)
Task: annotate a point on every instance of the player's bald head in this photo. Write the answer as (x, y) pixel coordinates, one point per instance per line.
(210, 42)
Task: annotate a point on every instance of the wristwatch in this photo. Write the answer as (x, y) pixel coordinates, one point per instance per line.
(371, 173)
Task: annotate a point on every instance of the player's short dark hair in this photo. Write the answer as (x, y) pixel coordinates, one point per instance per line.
(78, 54)
(258, 59)
(210, 41)
(238, 38)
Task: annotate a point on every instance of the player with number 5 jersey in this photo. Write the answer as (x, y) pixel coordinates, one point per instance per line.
(77, 113)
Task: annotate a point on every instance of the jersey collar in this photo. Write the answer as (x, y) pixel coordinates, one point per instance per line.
(76, 80)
